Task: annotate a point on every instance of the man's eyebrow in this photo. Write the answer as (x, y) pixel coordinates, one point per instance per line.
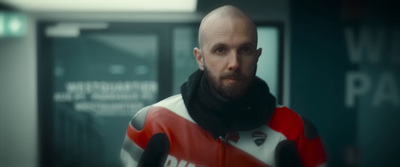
(218, 44)
(247, 44)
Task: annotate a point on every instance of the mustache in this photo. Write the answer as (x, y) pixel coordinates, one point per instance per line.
(236, 75)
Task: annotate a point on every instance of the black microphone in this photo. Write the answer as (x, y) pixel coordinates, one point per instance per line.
(156, 151)
(287, 154)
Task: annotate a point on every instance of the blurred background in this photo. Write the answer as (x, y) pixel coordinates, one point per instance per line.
(73, 73)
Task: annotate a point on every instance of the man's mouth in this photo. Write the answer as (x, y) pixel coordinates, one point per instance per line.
(233, 79)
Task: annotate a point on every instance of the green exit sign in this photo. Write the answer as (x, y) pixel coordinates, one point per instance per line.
(12, 24)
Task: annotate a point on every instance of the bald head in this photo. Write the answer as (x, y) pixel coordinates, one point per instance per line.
(227, 12)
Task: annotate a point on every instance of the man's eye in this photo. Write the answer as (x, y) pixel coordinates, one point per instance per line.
(246, 50)
(220, 50)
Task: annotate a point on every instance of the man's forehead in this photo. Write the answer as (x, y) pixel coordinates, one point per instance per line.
(223, 17)
(223, 35)
(228, 22)
(228, 43)
(225, 29)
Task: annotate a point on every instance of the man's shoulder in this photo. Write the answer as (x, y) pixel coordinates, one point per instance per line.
(172, 105)
(170, 101)
(283, 113)
(290, 123)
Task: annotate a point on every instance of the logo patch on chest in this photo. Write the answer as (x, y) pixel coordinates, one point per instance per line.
(259, 138)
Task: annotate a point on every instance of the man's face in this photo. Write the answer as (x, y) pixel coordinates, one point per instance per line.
(228, 57)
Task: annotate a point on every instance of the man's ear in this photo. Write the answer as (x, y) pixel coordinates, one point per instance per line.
(199, 57)
(258, 53)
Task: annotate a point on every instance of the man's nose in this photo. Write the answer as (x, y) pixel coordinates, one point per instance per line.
(234, 61)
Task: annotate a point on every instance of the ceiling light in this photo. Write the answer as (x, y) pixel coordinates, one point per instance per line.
(105, 6)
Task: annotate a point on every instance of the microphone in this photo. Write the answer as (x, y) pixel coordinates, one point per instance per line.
(156, 151)
(287, 154)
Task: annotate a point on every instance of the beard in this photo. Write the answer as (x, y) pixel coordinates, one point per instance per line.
(230, 91)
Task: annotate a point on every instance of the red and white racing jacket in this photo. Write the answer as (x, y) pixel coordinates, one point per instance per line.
(189, 145)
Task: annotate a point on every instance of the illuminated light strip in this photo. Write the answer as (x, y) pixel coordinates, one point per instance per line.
(72, 29)
(1, 24)
(106, 6)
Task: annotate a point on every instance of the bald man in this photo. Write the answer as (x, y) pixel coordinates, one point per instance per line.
(225, 115)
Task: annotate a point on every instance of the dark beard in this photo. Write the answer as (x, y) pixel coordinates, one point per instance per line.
(231, 91)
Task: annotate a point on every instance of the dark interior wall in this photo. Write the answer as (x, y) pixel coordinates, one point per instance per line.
(345, 77)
